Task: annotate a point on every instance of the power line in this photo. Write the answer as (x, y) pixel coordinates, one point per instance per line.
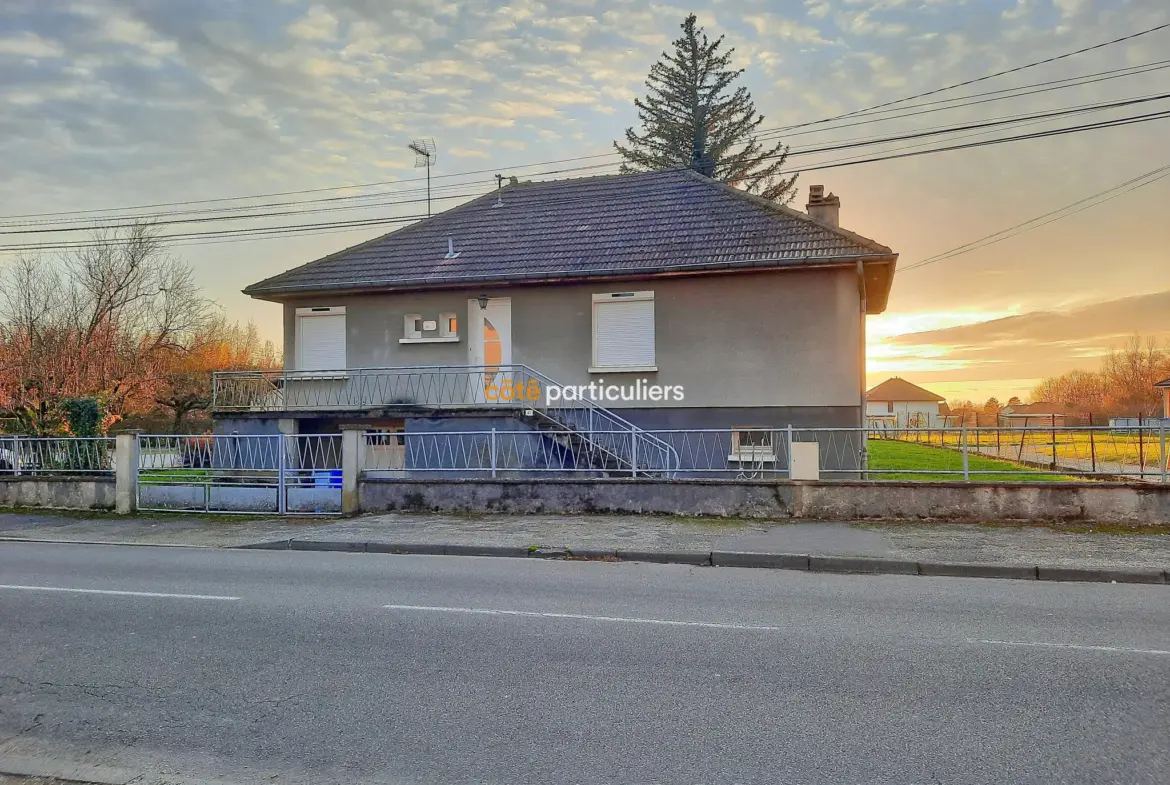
(57, 228)
(1026, 226)
(867, 110)
(257, 232)
(968, 82)
(967, 102)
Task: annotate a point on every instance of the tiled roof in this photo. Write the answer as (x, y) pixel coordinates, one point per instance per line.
(618, 225)
(896, 389)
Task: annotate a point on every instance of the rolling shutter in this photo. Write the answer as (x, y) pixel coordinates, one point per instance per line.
(321, 342)
(623, 331)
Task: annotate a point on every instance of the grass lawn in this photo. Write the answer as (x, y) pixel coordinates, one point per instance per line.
(162, 476)
(893, 456)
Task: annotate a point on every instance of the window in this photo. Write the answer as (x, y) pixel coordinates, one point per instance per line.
(623, 332)
(752, 444)
(320, 339)
(890, 407)
(412, 325)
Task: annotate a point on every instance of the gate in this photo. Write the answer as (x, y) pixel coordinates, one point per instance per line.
(282, 474)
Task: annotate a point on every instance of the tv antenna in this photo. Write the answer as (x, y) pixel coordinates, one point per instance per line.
(425, 154)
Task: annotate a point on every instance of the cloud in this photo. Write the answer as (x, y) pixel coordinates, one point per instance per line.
(319, 24)
(513, 109)
(770, 25)
(30, 44)
(465, 152)
(1032, 344)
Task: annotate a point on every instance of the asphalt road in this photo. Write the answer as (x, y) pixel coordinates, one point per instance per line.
(255, 666)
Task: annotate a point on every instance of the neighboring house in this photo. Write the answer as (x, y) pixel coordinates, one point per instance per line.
(898, 403)
(738, 311)
(1164, 386)
(1034, 415)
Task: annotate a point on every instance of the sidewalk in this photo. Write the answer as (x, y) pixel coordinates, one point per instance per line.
(998, 544)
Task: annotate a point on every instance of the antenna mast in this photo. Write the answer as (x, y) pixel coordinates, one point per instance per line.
(425, 154)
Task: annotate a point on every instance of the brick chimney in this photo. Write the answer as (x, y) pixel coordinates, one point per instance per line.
(826, 209)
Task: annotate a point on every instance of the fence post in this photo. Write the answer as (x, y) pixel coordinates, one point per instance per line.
(493, 450)
(1162, 439)
(966, 457)
(1052, 427)
(634, 451)
(17, 461)
(126, 462)
(282, 440)
(1092, 444)
(790, 451)
(352, 444)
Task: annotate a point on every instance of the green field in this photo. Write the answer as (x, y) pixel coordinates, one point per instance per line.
(901, 458)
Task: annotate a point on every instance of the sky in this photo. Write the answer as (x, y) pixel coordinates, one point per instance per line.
(124, 103)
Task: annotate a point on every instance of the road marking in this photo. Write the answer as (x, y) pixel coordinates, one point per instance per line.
(1077, 646)
(582, 617)
(118, 593)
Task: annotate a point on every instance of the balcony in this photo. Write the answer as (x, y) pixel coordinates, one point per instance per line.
(363, 389)
(583, 426)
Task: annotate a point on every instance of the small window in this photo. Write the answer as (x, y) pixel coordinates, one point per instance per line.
(890, 407)
(448, 325)
(623, 332)
(412, 325)
(752, 444)
(320, 339)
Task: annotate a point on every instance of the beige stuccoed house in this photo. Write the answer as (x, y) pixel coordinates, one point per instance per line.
(648, 301)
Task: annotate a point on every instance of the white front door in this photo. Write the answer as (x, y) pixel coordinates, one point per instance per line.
(489, 344)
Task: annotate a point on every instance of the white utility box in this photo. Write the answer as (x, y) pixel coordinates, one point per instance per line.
(805, 461)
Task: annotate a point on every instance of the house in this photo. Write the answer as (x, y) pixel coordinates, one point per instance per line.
(603, 306)
(1164, 386)
(899, 403)
(1034, 415)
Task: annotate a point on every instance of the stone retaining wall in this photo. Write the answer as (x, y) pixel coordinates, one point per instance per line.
(1131, 503)
(63, 493)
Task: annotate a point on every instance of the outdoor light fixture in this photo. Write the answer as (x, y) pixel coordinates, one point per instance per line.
(483, 301)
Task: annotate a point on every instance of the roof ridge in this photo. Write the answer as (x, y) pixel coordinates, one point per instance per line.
(791, 212)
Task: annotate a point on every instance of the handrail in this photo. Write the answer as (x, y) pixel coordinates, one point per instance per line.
(440, 386)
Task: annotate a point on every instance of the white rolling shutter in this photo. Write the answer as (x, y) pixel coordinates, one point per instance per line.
(623, 330)
(321, 341)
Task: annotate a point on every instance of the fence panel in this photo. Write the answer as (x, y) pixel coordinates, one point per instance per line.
(33, 456)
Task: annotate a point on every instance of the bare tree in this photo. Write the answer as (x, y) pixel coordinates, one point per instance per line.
(105, 320)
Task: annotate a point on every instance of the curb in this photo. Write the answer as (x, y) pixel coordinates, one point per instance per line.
(848, 565)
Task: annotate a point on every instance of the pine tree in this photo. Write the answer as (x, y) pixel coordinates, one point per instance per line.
(691, 117)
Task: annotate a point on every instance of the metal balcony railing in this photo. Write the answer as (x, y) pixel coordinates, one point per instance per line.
(515, 389)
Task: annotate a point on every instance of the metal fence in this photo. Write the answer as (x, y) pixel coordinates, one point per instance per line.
(31, 455)
(987, 454)
(233, 473)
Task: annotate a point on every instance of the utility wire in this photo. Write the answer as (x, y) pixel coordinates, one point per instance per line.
(116, 223)
(552, 204)
(1056, 215)
(867, 110)
(968, 82)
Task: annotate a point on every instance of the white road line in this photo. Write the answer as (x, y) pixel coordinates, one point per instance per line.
(117, 593)
(583, 617)
(1077, 646)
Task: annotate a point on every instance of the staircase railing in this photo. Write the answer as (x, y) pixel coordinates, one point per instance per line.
(514, 388)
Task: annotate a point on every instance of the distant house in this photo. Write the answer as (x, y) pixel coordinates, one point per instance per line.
(1035, 414)
(897, 402)
(1164, 386)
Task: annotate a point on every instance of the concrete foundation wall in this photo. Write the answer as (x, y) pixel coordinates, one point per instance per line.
(63, 493)
(1094, 503)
